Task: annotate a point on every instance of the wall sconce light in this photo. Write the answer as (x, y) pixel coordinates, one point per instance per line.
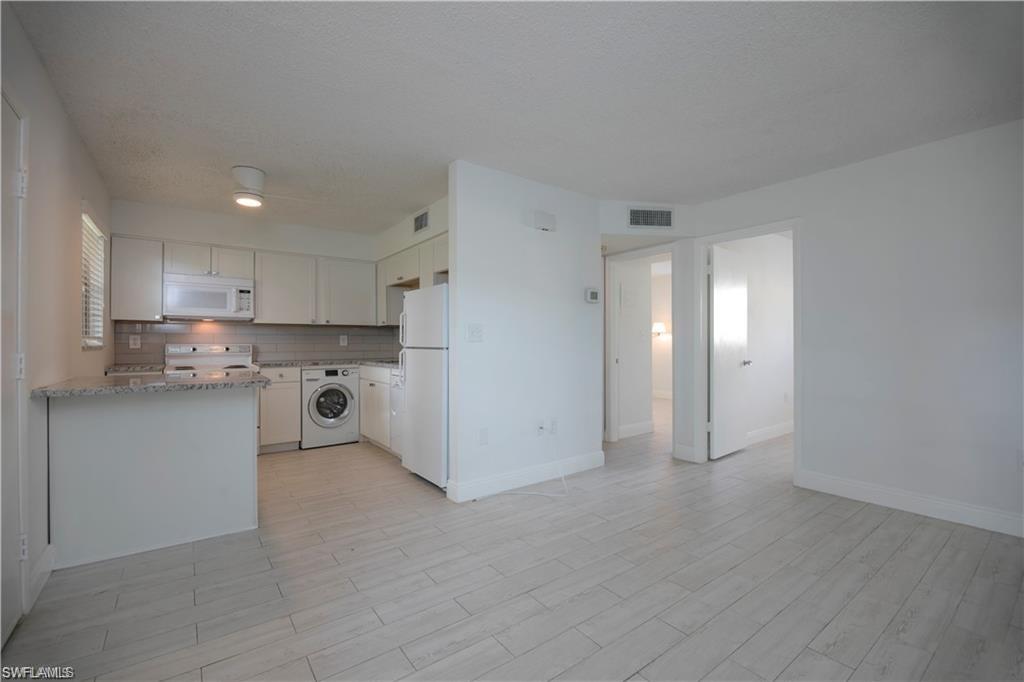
(658, 328)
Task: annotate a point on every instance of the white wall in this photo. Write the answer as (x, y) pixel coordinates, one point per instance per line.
(159, 221)
(909, 287)
(661, 346)
(61, 176)
(541, 355)
(401, 236)
(768, 403)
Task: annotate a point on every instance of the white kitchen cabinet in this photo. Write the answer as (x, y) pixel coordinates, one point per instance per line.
(136, 279)
(403, 267)
(202, 259)
(374, 410)
(382, 296)
(426, 258)
(186, 259)
(236, 263)
(281, 407)
(285, 288)
(440, 253)
(345, 292)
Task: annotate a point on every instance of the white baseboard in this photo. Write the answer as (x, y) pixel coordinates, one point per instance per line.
(37, 577)
(926, 505)
(637, 429)
(773, 431)
(666, 395)
(462, 491)
(64, 563)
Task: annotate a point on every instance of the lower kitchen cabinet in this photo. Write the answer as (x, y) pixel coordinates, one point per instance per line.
(374, 410)
(281, 407)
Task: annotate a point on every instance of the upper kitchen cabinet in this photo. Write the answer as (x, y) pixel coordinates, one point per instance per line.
(136, 279)
(285, 288)
(441, 253)
(403, 269)
(186, 259)
(236, 263)
(213, 261)
(345, 292)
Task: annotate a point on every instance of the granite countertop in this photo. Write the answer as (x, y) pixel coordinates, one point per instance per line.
(123, 384)
(134, 369)
(271, 364)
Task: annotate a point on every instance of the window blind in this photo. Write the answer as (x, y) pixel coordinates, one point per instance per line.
(93, 269)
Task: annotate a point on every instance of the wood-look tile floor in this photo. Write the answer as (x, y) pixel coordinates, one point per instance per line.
(648, 569)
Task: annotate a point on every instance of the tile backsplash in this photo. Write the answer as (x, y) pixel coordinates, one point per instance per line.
(270, 341)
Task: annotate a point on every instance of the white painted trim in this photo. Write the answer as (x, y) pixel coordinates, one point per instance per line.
(38, 575)
(664, 395)
(635, 429)
(767, 432)
(462, 491)
(279, 447)
(687, 453)
(927, 505)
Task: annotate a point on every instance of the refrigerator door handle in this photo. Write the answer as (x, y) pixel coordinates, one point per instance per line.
(401, 328)
(401, 366)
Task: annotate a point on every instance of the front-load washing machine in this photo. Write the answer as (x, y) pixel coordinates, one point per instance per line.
(330, 406)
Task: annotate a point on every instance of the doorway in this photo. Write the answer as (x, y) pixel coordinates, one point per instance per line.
(750, 291)
(639, 378)
(11, 576)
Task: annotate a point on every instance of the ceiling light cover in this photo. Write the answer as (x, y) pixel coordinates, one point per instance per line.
(248, 199)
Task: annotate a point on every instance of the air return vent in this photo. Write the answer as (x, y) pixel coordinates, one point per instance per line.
(421, 222)
(650, 217)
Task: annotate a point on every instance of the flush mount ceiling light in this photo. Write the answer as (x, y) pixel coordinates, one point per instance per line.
(250, 186)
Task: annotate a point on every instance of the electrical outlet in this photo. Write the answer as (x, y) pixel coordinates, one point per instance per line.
(342, 339)
(475, 333)
(553, 428)
(483, 436)
(134, 342)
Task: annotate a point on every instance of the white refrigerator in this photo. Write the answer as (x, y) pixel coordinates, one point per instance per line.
(423, 362)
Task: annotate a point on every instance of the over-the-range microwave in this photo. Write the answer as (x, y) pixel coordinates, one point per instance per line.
(210, 298)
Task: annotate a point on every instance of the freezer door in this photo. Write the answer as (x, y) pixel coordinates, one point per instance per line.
(425, 422)
(425, 318)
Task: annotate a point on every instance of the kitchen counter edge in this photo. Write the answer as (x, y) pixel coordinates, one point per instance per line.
(125, 384)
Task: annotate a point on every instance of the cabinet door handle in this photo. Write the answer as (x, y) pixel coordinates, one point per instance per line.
(372, 385)
(215, 273)
(400, 278)
(327, 321)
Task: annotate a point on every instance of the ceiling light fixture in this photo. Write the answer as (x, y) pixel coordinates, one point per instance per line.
(250, 186)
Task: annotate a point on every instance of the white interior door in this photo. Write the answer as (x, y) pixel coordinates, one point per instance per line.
(728, 380)
(10, 569)
(632, 291)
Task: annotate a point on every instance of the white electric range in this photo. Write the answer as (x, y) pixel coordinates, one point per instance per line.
(208, 361)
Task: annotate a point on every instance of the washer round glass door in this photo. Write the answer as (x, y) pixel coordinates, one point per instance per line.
(331, 405)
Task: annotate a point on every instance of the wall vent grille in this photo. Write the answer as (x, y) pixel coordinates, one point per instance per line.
(650, 217)
(421, 222)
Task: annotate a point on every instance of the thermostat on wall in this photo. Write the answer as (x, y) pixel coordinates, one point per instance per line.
(592, 295)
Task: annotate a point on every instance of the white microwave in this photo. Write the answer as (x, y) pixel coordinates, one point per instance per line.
(212, 298)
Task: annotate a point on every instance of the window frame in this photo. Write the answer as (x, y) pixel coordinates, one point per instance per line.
(93, 283)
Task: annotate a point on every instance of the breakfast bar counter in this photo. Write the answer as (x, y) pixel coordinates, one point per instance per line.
(144, 462)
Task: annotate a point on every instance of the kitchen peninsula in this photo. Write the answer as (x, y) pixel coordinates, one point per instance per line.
(144, 462)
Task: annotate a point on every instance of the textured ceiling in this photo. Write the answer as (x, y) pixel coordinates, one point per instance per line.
(358, 108)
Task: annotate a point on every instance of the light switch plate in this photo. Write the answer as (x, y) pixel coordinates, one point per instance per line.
(475, 333)
(134, 342)
(342, 339)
